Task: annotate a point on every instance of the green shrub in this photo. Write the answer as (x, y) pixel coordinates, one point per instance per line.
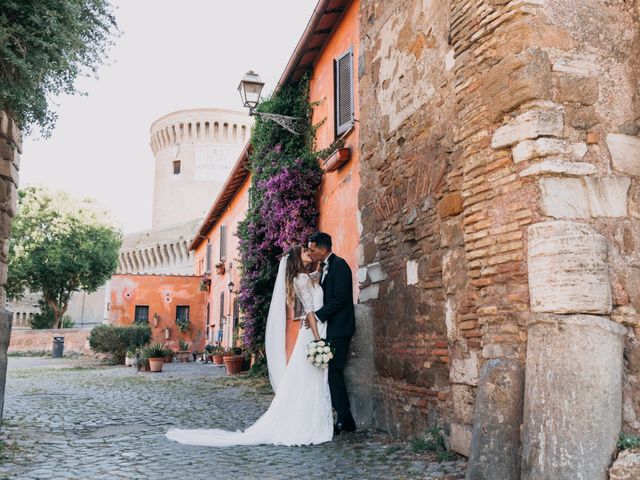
(116, 340)
(433, 441)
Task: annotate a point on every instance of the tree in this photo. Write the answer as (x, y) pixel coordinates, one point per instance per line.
(44, 46)
(59, 245)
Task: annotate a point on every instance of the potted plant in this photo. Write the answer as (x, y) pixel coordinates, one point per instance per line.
(183, 324)
(168, 358)
(220, 268)
(131, 353)
(233, 361)
(183, 352)
(218, 355)
(155, 353)
(209, 349)
(205, 284)
(136, 361)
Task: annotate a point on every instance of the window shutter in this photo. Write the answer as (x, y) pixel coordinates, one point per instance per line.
(208, 261)
(344, 92)
(221, 307)
(223, 242)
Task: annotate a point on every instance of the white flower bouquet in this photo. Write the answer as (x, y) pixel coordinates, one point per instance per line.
(319, 353)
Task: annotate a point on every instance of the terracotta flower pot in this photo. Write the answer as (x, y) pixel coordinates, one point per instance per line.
(156, 364)
(233, 364)
(218, 359)
(169, 357)
(183, 356)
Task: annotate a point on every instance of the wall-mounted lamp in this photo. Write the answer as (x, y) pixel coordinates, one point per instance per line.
(167, 333)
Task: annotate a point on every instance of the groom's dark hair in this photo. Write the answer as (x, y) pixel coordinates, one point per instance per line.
(321, 239)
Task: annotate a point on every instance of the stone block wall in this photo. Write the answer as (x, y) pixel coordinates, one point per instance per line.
(76, 340)
(500, 144)
(10, 149)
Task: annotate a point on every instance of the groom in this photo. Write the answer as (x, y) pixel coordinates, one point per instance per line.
(339, 314)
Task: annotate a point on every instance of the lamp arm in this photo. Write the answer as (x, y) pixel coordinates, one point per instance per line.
(291, 124)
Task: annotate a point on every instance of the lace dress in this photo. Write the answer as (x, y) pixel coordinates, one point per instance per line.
(300, 413)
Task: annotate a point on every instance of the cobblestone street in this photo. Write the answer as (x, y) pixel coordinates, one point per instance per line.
(66, 419)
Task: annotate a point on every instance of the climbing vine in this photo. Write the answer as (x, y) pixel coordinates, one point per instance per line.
(282, 203)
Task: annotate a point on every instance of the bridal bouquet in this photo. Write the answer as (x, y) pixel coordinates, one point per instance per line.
(319, 353)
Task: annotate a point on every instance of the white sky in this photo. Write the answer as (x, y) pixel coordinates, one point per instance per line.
(171, 55)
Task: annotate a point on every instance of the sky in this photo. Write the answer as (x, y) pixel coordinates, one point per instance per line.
(170, 55)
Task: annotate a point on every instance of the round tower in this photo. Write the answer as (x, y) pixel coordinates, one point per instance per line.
(194, 152)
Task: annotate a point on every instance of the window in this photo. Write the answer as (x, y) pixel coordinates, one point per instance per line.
(141, 314)
(182, 313)
(223, 242)
(208, 315)
(176, 167)
(208, 258)
(236, 313)
(343, 73)
(221, 307)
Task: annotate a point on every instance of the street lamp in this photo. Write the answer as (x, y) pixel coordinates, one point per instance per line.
(230, 286)
(250, 89)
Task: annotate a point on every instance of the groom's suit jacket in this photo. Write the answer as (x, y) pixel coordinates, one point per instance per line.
(338, 309)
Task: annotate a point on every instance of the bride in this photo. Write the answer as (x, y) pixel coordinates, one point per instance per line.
(300, 413)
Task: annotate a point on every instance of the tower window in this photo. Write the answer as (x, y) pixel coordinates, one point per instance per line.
(176, 167)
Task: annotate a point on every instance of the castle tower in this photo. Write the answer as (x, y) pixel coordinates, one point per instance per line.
(194, 151)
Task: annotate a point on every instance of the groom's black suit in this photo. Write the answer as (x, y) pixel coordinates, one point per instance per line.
(339, 314)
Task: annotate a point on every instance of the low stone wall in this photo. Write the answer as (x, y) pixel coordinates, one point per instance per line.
(75, 340)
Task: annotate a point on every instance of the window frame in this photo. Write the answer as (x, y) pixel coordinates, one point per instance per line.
(177, 163)
(135, 314)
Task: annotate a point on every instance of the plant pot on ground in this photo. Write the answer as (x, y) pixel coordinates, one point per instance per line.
(183, 354)
(169, 356)
(233, 363)
(155, 354)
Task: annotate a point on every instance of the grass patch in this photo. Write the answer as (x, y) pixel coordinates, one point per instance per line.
(37, 353)
(627, 441)
(433, 441)
(8, 451)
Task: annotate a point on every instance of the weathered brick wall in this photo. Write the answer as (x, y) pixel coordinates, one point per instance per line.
(500, 162)
(75, 340)
(407, 109)
(10, 149)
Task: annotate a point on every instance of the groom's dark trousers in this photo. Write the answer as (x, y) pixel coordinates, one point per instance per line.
(339, 314)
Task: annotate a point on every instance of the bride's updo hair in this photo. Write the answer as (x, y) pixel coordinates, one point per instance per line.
(295, 266)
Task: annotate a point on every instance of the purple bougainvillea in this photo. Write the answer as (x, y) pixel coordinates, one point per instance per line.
(282, 206)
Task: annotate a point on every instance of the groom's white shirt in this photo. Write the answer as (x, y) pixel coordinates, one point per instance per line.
(325, 269)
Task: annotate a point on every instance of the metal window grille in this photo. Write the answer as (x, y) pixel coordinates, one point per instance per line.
(176, 167)
(182, 313)
(208, 259)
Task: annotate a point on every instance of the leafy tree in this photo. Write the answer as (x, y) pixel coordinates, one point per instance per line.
(44, 46)
(59, 245)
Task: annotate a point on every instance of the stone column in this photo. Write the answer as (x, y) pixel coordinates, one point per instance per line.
(573, 381)
(573, 397)
(10, 149)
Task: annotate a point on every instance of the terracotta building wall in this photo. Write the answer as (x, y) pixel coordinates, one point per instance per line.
(162, 293)
(338, 194)
(234, 213)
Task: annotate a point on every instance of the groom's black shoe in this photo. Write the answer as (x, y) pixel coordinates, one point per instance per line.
(344, 427)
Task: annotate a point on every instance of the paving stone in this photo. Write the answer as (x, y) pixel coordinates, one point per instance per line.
(109, 422)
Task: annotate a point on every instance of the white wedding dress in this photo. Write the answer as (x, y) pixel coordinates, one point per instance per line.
(300, 413)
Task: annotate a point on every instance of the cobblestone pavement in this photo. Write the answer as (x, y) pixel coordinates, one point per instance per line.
(69, 419)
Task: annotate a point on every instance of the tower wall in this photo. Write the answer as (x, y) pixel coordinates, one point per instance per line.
(206, 142)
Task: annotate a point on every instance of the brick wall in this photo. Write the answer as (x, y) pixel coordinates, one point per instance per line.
(483, 123)
(75, 340)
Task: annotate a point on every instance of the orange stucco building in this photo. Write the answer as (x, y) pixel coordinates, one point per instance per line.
(338, 194)
(216, 256)
(158, 300)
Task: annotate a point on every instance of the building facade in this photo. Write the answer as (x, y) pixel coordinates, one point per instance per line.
(158, 300)
(492, 173)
